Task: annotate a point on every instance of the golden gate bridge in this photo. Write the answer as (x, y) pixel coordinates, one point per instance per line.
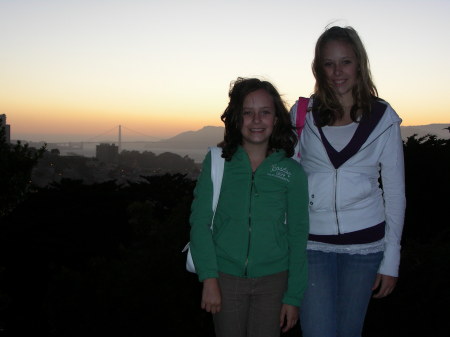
(80, 145)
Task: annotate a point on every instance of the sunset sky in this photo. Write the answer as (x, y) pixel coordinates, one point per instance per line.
(72, 70)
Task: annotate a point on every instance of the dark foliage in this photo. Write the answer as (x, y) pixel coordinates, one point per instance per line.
(427, 166)
(100, 259)
(16, 164)
(80, 260)
(418, 305)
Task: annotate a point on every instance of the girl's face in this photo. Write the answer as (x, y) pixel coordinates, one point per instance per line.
(258, 118)
(341, 69)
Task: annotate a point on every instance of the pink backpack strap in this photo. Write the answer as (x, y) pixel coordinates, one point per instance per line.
(302, 106)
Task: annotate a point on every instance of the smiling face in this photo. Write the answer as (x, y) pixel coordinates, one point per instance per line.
(341, 69)
(258, 119)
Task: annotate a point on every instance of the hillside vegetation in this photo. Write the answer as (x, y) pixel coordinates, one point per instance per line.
(104, 259)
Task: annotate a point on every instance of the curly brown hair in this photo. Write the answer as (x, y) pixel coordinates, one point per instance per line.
(283, 135)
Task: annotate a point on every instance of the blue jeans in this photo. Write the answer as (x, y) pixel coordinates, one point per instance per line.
(338, 293)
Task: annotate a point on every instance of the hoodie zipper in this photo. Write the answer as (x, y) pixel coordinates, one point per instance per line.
(249, 223)
(335, 180)
(335, 200)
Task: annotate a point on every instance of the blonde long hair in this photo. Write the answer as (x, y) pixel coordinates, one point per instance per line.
(364, 91)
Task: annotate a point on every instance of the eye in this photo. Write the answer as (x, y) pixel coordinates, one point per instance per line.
(347, 62)
(327, 64)
(246, 112)
(266, 112)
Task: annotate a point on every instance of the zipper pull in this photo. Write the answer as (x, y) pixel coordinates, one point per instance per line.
(254, 185)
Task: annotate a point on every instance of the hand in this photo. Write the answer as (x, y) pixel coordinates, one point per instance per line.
(385, 285)
(211, 297)
(288, 317)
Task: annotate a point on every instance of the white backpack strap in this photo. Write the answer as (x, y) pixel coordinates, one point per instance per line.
(217, 166)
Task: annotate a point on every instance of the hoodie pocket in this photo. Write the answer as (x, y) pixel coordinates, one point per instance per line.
(320, 188)
(354, 188)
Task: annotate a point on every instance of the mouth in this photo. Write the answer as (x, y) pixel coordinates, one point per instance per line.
(257, 130)
(338, 83)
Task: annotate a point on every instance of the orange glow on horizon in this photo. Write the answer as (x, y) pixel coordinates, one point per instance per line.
(147, 123)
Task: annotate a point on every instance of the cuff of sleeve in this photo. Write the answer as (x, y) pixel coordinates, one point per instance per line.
(391, 261)
(205, 275)
(291, 300)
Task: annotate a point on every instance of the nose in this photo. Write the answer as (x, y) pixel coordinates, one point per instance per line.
(337, 69)
(256, 117)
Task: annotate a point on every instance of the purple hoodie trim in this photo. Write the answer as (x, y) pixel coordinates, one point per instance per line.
(363, 131)
(367, 235)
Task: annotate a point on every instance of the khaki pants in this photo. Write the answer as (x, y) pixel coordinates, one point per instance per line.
(250, 306)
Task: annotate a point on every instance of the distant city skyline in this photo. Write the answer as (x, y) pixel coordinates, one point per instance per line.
(72, 70)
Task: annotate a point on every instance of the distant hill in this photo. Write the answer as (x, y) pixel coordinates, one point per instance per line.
(422, 130)
(211, 135)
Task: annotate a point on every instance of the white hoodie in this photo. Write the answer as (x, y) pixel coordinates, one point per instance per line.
(344, 192)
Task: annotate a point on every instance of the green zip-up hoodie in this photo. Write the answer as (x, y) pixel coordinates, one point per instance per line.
(261, 221)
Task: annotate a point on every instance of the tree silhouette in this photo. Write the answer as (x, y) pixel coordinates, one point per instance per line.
(427, 167)
(16, 164)
(425, 266)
